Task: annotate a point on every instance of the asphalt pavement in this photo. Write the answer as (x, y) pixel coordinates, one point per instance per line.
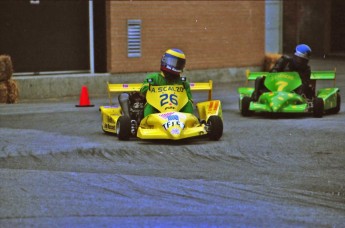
(59, 169)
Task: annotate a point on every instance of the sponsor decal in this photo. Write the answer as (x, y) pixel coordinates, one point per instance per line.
(175, 131)
(110, 127)
(213, 106)
(173, 123)
(124, 85)
(173, 117)
(182, 116)
(161, 89)
(172, 68)
(166, 115)
(285, 76)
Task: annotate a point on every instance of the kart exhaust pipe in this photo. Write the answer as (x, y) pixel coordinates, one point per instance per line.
(124, 103)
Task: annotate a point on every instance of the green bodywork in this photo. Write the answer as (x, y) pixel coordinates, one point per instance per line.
(282, 98)
(329, 96)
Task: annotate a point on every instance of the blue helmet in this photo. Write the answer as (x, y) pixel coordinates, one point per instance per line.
(173, 61)
(303, 51)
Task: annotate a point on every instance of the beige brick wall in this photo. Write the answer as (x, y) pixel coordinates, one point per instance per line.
(213, 34)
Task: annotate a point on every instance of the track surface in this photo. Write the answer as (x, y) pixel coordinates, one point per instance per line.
(58, 169)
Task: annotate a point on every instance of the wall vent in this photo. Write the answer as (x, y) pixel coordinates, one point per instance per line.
(134, 38)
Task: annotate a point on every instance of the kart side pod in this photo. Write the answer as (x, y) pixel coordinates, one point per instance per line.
(209, 108)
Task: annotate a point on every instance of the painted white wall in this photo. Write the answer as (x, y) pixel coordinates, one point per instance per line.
(274, 26)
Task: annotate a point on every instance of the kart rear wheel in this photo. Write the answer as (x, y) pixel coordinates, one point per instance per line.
(123, 128)
(318, 107)
(245, 106)
(215, 127)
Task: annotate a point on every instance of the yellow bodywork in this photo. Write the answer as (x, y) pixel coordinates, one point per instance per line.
(169, 123)
(110, 115)
(209, 108)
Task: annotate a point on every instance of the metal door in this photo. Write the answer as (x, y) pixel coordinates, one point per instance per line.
(45, 35)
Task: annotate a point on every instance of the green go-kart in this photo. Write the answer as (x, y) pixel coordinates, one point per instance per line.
(281, 97)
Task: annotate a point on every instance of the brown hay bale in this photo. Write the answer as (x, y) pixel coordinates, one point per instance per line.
(3, 92)
(8, 91)
(13, 91)
(270, 60)
(6, 68)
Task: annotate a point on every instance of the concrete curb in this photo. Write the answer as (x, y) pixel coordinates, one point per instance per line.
(62, 86)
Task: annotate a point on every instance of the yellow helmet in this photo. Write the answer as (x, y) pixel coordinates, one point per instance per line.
(173, 62)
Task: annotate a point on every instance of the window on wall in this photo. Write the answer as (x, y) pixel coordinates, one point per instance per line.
(134, 38)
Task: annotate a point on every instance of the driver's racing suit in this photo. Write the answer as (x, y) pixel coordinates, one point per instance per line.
(157, 79)
(286, 64)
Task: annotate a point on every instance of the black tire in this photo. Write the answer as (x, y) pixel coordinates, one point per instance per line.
(318, 107)
(215, 127)
(245, 106)
(336, 109)
(123, 128)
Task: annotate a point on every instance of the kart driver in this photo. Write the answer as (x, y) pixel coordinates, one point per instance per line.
(172, 65)
(298, 63)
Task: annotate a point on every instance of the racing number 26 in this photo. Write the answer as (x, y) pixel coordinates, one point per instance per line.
(165, 98)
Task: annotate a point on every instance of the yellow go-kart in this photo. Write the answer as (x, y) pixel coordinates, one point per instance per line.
(127, 119)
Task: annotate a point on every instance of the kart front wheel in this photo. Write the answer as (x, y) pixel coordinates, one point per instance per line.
(215, 127)
(318, 107)
(245, 106)
(123, 128)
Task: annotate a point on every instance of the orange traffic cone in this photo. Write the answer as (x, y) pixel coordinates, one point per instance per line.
(84, 100)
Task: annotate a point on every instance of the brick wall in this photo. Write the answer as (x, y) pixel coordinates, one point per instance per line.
(213, 34)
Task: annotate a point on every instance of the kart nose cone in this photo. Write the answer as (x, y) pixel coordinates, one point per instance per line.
(275, 109)
(175, 133)
(175, 137)
(274, 106)
(277, 103)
